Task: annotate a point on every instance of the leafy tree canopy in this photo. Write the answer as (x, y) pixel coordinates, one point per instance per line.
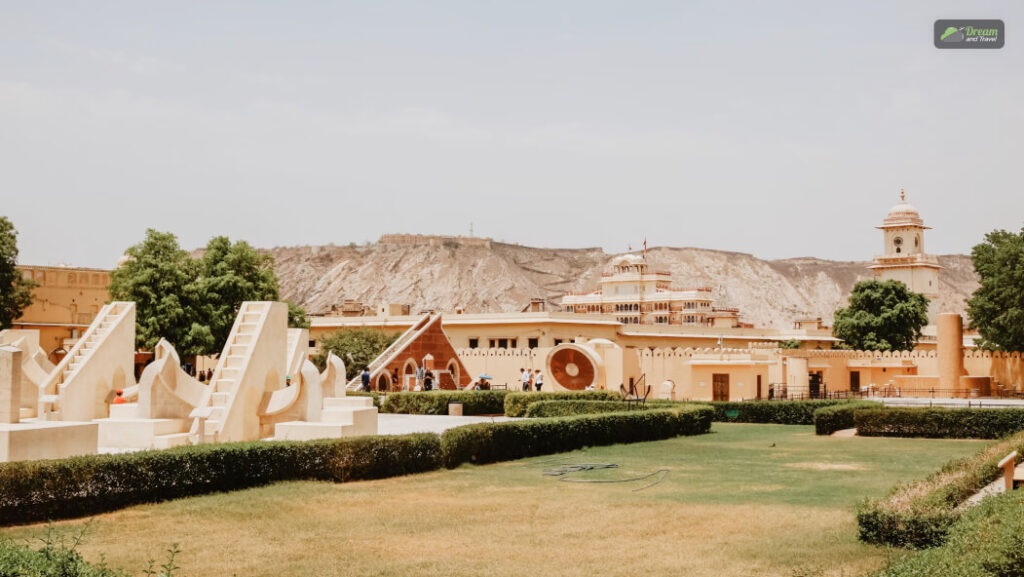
(15, 291)
(193, 302)
(357, 347)
(997, 307)
(881, 316)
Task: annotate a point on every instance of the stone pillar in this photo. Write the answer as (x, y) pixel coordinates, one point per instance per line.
(950, 350)
(10, 384)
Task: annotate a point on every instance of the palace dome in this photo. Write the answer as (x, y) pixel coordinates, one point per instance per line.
(903, 213)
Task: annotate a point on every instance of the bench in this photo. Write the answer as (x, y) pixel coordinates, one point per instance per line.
(1013, 475)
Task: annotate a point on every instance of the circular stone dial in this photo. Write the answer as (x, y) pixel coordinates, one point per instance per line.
(572, 369)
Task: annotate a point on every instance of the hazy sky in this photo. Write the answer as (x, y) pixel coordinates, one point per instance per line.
(777, 128)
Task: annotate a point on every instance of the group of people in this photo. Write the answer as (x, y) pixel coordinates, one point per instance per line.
(203, 376)
(532, 380)
(424, 381)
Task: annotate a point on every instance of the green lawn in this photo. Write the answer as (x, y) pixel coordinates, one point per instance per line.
(730, 504)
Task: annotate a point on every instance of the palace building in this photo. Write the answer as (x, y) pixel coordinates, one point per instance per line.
(636, 295)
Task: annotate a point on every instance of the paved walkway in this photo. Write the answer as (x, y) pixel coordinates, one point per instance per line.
(392, 424)
(947, 402)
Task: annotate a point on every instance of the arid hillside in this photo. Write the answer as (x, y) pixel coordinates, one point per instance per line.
(504, 277)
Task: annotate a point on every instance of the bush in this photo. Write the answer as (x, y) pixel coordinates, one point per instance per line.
(48, 562)
(436, 402)
(920, 514)
(828, 420)
(778, 412)
(493, 442)
(517, 402)
(939, 423)
(53, 489)
(988, 541)
(570, 408)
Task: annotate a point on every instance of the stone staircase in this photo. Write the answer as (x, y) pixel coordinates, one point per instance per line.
(63, 382)
(230, 373)
(392, 351)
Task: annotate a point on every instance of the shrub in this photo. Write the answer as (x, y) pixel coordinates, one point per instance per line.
(569, 408)
(517, 402)
(436, 402)
(939, 423)
(988, 541)
(493, 442)
(920, 514)
(48, 562)
(778, 412)
(52, 489)
(828, 420)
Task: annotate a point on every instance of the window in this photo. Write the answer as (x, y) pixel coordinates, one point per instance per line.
(513, 343)
(532, 343)
(312, 344)
(502, 343)
(474, 343)
(558, 342)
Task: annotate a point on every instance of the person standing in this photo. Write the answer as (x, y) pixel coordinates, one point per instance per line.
(395, 379)
(538, 381)
(366, 379)
(421, 373)
(428, 382)
(525, 377)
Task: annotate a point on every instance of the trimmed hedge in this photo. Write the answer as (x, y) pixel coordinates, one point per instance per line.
(436, 402)
(493, 442)
(937, 423)
(517, 402)
(570, 408)
(988, 541)
(79, 486)
(777, 412)
(828, 420)
(919, 514)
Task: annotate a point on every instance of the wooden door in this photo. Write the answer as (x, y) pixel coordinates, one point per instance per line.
(854, 381)
(719, 387)
(759, 387)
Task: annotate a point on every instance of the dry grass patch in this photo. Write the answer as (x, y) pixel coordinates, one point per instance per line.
(729, 506)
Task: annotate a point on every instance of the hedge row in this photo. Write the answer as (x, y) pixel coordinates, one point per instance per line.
(78, 486)
(436, 402)
(490, 443)
(777, 412)
(517, 402)
(571, 408)
(939, 423)
(53, 489)
(920, 514)
(828, 420)
(988, 541)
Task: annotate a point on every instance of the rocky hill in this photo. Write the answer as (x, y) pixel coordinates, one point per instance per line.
(504, 277)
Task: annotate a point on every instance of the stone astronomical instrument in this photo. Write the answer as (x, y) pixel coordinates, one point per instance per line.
(574, 367)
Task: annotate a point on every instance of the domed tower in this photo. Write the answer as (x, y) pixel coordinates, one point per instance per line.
(904, 258)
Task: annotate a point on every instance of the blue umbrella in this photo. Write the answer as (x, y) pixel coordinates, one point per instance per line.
(485, 377)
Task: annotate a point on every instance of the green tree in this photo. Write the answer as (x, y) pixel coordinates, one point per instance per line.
(15, 290)
(790, 344)
(159, 277)
(882, 316)
(297, 318)
(230, 274)
(997, 307)
(357, 347)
